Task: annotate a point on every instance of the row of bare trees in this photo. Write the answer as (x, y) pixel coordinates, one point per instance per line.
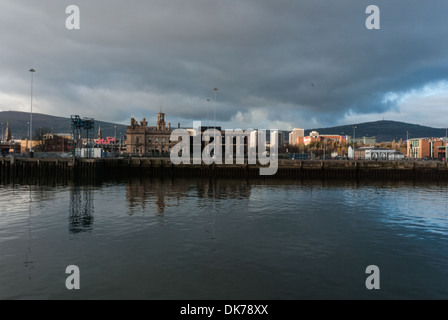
(39, 136)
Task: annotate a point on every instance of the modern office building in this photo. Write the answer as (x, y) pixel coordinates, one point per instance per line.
(419, 148)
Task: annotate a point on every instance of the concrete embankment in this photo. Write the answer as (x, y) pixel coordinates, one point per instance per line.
(62, 169)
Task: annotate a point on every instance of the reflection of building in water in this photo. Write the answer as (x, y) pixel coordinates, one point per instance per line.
(161, 193)
(223, 189)
(160, 202)
(29, 261)
(81, 210)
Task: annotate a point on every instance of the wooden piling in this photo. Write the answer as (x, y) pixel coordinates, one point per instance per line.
(60, 169)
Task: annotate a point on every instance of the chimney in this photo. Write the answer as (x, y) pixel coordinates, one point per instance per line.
(169, 126)
(178, 125)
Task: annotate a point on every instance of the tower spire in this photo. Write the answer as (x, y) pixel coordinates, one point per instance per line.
(161, 124)
(7, 132)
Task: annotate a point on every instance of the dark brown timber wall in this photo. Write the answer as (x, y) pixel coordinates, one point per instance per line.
(59, 169)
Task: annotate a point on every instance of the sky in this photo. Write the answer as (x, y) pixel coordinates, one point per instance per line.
(277, 64)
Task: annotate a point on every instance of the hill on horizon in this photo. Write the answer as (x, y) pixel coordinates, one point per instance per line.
(383, 130)
(19, 124)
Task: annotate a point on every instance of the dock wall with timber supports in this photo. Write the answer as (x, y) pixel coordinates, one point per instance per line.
(63, 169)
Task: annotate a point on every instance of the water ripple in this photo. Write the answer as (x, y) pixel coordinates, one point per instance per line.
(223, 239)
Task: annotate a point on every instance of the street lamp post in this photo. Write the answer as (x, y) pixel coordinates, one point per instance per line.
(408, 146)
(214, 107)
(446, 136)
(214, 116)
(28, 134)
(325, 148)
(341, 143)
(3, 133)
(31, 113)
(208, 117)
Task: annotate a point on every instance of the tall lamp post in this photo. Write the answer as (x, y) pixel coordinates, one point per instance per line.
(214, 116)
(214, 107)
(446, 136)
(408, 146)
(3, 133)
(31, 113)
(325, 148)
(208, 118)
(28, 133)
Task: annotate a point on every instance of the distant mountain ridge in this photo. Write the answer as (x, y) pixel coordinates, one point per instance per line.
(383, 130)
(19, 124)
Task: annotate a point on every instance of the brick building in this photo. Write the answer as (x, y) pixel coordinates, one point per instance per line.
(420, 148)
(316, 137)
(56, 143)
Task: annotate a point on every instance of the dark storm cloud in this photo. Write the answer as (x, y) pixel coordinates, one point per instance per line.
(284, 60)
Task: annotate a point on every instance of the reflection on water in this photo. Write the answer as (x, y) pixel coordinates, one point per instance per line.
(144, 192)
(28, 261)
(224, 239)
(167, 192)
(81, 209)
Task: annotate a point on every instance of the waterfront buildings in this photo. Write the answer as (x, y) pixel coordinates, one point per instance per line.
(9, 147)
(142, 139)
(25, 145)
(374, 153)
(419, 148)
(105, 141)
(110, 144)
(383, 154)
(296, 136)
(316, 137)
(363, 141)
(57, 143)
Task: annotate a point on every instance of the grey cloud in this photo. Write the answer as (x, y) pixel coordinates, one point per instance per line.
(298, 58)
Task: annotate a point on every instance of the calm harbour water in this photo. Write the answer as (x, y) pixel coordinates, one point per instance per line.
(224, 239)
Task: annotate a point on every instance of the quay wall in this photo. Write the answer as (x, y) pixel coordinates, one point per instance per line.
(62, 169)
